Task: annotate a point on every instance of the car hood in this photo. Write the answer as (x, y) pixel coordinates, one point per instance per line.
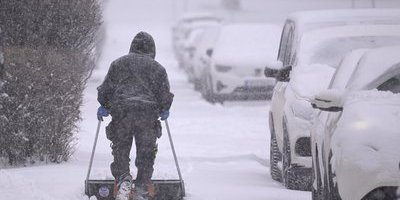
(365, 145)
(368, 132)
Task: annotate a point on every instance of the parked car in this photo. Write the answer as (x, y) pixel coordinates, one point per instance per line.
(188, 50)
(188, 23)
(239, 55)
(290, 154)
(356, 131)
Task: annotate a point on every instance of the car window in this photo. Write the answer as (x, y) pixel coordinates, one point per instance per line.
(392, 85)
(332, 51)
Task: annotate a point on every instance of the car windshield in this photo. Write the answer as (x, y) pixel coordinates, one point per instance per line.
(332, 51)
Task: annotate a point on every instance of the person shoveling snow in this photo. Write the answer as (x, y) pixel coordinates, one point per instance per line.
(136, 93)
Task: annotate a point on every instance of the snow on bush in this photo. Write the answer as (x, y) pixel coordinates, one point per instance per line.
(49, 52)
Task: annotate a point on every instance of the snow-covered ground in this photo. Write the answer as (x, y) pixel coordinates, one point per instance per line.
(223, 149)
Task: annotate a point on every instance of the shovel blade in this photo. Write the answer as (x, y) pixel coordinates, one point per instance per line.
(164, 189)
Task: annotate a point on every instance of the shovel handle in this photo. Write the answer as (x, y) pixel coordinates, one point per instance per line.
(175, 157)
(93, 150)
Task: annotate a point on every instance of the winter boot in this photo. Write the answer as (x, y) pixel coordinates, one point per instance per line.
(124, 188)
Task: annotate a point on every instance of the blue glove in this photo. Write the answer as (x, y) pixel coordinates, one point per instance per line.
(102, 112)
(164, 115)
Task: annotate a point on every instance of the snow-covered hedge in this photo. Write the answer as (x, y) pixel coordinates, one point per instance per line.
(48, 54)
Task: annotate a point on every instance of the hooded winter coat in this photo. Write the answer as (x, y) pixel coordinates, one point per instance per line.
(136, 82)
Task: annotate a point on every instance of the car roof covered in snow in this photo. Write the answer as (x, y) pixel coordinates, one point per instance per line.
(247, 44)
(309, 20)
(312, 41)
(375, 67)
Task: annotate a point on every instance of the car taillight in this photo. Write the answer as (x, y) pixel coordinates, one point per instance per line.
(222, 68)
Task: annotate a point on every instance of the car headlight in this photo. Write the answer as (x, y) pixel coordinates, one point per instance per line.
(360, 125)
(222, 68)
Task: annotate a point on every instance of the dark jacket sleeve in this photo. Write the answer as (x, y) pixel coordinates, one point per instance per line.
(163, 94)
(106, 89)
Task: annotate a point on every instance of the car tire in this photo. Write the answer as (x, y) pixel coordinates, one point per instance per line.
(287, 175)
(294, 178)
(209, 94)
(275, 156)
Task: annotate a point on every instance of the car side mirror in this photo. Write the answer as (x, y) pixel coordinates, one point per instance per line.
(275, 70)
(209, 52)
(284, 74)
(270, 72)
(281, 75)
(329, 100)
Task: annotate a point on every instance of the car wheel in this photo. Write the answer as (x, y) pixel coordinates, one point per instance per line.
(209, 94)
(286, 173)
(203, 90)
(275, 155)
(294, 178)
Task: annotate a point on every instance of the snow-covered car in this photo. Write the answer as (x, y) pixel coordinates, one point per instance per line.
(202, 55)
(188, 23)
(290, 154)
(238, 58)
(188, 49)
(356, 130)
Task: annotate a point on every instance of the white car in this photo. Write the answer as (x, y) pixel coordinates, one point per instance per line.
(189, 22)
(356, 131)
(188, 50)
(290, 154)
(238, 58)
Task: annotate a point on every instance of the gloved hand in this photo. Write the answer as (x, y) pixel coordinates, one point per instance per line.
(102, 112)
(164, 115)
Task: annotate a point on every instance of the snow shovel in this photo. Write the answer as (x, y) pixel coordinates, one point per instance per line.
(164, 189)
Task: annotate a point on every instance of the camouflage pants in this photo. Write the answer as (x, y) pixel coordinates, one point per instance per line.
(121, 131)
